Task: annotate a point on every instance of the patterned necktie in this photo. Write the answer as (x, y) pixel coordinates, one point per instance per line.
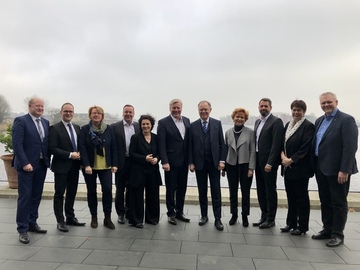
(72, 137)
(205, 128)
(39, 129)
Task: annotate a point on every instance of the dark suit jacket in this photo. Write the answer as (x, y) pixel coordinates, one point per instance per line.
(338, 145)
(27, 144)
(298, 149)
(173, 148)
(60, 147)
(139, 149)
(196, 143)
(118, 128)
(270, 141)
(87, 149)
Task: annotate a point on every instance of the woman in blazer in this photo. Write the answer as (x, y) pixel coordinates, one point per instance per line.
(145, 175)
(240, 164)
(296, 168)
(99, 159)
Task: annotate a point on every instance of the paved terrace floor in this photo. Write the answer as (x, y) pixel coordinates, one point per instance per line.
(164, 246)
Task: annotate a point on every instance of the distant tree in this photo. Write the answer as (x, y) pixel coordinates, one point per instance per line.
(5, 108)
(53, 115)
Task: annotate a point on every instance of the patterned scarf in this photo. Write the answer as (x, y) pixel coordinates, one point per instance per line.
(293, 127)
(96, 137)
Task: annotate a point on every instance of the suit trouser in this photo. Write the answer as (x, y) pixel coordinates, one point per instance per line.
(66, 182)
(176, 184)
(30, 188)
(214, 177)
(266, 191)
(333, 199)
(122, 186)
(236, 174)
(105, 177)
(298, 203)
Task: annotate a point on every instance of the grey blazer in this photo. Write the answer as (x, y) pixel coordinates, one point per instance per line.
(242, 152)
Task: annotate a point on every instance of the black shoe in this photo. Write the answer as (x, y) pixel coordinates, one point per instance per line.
(287, 228)
(36, 229)
(172, 220)
(257, 224)
(335, 241)
(233, 220)
(74, 222)
(181, 216)
(121, 219)
(139, 225)
(297, 232)
(62, 227)
(245, 221)
(203, 220)
(24, 238)
(321, 235)
(218, 225)
(267, 225)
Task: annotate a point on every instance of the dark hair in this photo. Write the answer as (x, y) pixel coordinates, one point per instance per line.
(147, 117)
(298, 104)
(266, 100)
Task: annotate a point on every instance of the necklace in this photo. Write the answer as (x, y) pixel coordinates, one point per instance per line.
(237, 132)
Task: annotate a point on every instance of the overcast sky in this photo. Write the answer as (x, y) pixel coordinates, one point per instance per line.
(230, 52)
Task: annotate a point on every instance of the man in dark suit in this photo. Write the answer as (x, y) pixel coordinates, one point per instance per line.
(30, 135)
(173, 136)
(269, 136)
(333, 157)
(65, 165)
(123, 130)
(207, 154)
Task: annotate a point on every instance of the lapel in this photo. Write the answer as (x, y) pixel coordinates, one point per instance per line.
(64, 132)
(33, 126)
(331, 126)
(174, 127)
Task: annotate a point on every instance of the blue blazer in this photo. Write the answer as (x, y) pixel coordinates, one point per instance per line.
(338, 145)
(173, 149)
(196, 143)
(27, 143)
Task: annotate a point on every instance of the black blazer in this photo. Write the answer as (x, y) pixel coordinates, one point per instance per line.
(196, 143)
(270, 141)
(140, 168)
(118, 128)
(173, 149)
(60, 147)
(298, 147)
(87, 149)
(338, 145)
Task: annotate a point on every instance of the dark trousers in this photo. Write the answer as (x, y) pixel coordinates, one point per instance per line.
(298, 203)
(176, 184)
(122, 188)
(236, 174)
(266, 191)
(30, 188)
(333, 199)
(152, 201)
(105, 177)
(65, 182)
(202, 183)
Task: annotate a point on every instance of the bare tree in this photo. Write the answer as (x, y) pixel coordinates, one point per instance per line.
(5, 108)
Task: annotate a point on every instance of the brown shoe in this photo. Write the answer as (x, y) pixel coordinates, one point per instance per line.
(108, 223)
(94, 221)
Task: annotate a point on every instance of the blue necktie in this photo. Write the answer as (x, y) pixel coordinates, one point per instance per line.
(205, 126)
(72, 137)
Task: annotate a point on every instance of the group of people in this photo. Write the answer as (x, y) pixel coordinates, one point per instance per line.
(132, 151)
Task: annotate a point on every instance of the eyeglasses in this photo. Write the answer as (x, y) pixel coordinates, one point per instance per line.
(68, 111)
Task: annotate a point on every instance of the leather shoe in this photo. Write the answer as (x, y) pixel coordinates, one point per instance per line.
(139, 225)
(233, 220)
(321, 235)
(108, 223)
(24, 238)
(121, 219)
(218, 225)
(74, 222)
(257, 224)
(297, 232)
(181, 216)
(62, 227)
(267, 225)
(335, 241)
(203, 220)
(36, 229)
(245, 221)
(287, 228)
(172, 220)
